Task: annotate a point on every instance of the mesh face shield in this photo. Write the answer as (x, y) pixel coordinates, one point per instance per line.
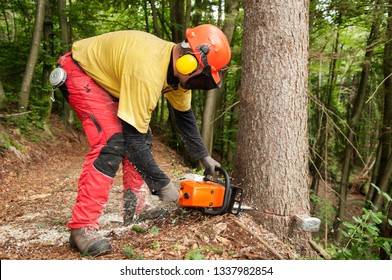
(203, 81)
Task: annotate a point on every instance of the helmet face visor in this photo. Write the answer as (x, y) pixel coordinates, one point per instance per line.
(203, 81)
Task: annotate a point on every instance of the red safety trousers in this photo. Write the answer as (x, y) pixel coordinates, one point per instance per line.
(97, 111)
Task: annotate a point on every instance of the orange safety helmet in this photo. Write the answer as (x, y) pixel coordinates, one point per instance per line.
(211, 48)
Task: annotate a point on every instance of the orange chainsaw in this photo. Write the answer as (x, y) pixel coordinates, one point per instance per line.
(210, 196)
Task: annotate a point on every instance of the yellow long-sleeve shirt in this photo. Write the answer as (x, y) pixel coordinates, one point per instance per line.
(131, 66)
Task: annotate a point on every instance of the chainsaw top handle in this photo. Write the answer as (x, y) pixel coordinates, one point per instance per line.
(227, 196)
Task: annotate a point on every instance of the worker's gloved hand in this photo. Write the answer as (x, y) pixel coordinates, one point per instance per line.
(209, 164)
(169, 193)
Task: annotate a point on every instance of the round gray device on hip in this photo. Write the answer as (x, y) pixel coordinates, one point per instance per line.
(57, 77)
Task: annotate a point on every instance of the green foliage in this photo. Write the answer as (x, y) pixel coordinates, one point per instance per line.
(61, 223)
(155, 245)
(154, 230)
(30, 125)
(198, 253)
(194, 255)
(130, 253)
(138, 229)
(362, 235)
(324, 209)
(7, 142)
(363, 238)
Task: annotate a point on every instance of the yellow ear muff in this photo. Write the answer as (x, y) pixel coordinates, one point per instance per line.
(186, 64)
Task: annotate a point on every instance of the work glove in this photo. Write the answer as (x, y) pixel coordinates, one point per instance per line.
(169, 193)
(209, 164)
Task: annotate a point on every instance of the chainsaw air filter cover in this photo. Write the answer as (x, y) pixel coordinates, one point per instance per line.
(206, 194)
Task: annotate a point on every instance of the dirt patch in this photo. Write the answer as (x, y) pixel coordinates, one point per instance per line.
(38, 190)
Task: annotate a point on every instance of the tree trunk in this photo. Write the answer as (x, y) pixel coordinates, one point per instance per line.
(187, 20)
(177, 19)
(352, 124)
(207, 131)
(383, 185)
(386, 232)
(33, 56)
(157, 29)
(48, 46)
(63, 22)
(320, 120)
(146, 12)
(2, 98)
(65, 47)
(386, 131)
(272, 156)
(213, 96)
(197, 14)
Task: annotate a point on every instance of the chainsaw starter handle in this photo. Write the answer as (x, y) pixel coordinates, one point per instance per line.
(223, 209)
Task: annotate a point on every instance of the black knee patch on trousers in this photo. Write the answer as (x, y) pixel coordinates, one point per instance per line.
(111, 155)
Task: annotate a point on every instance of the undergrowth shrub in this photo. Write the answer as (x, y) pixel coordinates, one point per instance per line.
(362, 238)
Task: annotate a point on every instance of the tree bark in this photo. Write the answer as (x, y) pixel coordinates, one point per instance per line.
(48, 47)
(320, 120)
(2, 97)
(213, 96)
(386, 232)
(187, 21)
(352, 124)
(386, 131)
(177, 19)
(272, 156)
(207, 131)
(33, 56)
(157, 29)
(63, 22)
(65, 47)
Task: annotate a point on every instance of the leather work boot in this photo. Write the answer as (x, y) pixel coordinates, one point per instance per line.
(89, 241)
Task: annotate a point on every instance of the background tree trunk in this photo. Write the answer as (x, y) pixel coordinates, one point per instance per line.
(65, 47)
(356, 112)
(386, 232)
(33, 56)
(157, 29)
(214, 96)
(177, 19)
(2, 98)
(319, 120)
(63, 23)
(209, 113)
(48, 46)
(272, 156)
(385, 144)
(187, 21)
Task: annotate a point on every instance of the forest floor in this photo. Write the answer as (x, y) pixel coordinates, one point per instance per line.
(38, 190)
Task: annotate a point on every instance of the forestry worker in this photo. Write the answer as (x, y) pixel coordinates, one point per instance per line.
(113, 82)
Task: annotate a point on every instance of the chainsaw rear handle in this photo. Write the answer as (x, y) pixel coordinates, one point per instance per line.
(226, 202)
